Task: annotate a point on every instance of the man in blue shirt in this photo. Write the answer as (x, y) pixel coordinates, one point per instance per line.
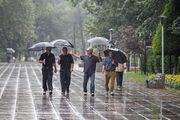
(90, 61)
(109, 67)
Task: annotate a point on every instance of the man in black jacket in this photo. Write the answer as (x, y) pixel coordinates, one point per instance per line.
(48, 61)
(66, 63)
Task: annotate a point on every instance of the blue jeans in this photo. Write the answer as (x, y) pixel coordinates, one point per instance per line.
(86, 78)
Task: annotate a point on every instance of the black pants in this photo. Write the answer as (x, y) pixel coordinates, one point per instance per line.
(65, 79)
(47, 79)
(119, 78)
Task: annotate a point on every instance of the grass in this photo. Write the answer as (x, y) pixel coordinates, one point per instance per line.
(138, 77)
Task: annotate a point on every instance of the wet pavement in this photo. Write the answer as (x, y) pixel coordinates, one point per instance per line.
(21, 99)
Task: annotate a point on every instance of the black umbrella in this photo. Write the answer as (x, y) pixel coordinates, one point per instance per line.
(41, 46)
(118, 55)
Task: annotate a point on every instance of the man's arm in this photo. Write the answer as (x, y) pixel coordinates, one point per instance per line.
(72, 67)
(75, 55)
(104, 64)
(59, 60)
(41, 59)
(55, 69)
(54, 64)
(72, 64)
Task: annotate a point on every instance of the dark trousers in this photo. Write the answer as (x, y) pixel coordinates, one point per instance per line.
(47, 79)
(119, 78)
(65, 79)
(86, 78)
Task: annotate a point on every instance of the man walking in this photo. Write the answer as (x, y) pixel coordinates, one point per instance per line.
(48, 61)
(109, 67)
(66, 63)
(90, 61)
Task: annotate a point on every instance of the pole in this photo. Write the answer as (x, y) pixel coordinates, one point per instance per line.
(162, 27)
(110, 35)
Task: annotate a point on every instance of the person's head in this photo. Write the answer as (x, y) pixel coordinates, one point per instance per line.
(65, 50)
(89, 51)
(48, 49)
(110, 54)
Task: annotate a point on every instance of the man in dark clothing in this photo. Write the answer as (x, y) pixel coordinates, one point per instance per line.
(90, 61)
(67, 63)
(48, 61)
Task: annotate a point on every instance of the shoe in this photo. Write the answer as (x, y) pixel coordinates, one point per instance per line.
(50, 92)
(92, 94)
(44, 92)
(63, 93)
(85, 93)
(119, 87)
(67, 91)
(112, 94)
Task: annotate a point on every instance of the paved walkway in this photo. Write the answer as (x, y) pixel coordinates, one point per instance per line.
(21, 99)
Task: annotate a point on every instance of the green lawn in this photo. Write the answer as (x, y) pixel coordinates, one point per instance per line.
(138, 77)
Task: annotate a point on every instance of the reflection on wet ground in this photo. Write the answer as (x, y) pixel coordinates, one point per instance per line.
(21, 99)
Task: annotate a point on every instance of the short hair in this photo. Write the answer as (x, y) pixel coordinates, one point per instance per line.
(64, 48)
(89, 48)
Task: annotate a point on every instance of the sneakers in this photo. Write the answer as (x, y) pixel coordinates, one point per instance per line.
(119, 87)
(112, 94)
(44, 92)
(85, 93)
(50, 92)
(92, 94)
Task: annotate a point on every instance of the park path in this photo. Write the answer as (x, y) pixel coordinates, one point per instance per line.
(21, 98)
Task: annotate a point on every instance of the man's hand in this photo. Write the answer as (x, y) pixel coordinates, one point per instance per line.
(55, 70)
(71, 69)
(58, 62)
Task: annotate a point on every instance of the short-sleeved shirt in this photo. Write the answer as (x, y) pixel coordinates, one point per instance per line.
(49, 60)
(66, 61)
(89, 63)
(109, 66)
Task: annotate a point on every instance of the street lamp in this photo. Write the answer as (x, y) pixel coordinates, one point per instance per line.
(110, 31)
(162, 17)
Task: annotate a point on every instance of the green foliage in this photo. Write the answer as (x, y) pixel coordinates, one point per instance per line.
(16, 23)
(138, 77)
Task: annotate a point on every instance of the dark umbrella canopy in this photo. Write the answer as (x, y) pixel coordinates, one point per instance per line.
(41, 46)
(62, 43)
(118, 55)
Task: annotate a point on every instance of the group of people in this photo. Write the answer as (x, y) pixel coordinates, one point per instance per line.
(66, 62)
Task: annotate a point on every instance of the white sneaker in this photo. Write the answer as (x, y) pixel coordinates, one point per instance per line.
(85, 93)
(112, 93)
(119, 87)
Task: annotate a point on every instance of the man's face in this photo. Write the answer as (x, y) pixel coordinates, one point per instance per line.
(89, 52)
(110, 54)
(48, 50)
(65, 51)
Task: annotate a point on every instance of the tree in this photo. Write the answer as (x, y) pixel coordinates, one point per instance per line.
(16, 23)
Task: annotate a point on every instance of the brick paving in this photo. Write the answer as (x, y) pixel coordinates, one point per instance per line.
(21, 98)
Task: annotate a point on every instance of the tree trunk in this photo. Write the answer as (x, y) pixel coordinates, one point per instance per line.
(74, 36)
(175, 65)
(135, 62)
